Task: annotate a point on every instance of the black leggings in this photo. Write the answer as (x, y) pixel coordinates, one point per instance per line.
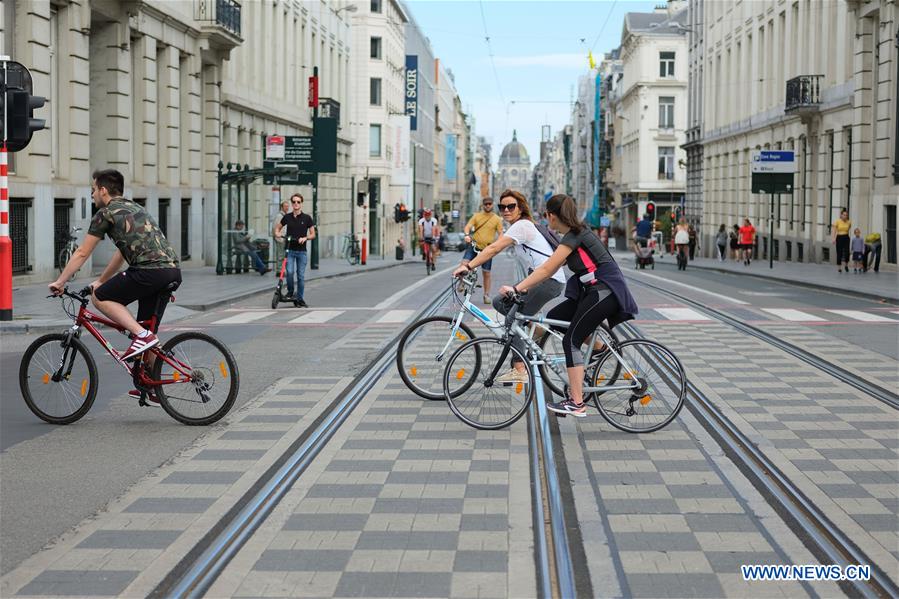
(585, 315)
(842, 249)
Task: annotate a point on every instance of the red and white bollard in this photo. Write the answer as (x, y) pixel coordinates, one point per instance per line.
(5, 241)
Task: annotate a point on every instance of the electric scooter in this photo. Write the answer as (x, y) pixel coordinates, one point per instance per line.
(280, 296)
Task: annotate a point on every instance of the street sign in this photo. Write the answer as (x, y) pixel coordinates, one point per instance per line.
(412, 90)
(298, 150)
(274, 147)
(297, 178)
(772, 171)
(604, 221)
(324, 159)
(773, 161)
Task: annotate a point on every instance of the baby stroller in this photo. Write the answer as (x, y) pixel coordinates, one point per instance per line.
(643, 255)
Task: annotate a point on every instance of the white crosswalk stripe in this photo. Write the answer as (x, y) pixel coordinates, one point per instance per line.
(244, 317)
(681, 314)
(863, 316)
(793, 315)
(317, 317)
(397, 316)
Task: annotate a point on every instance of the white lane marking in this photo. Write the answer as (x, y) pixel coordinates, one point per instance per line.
(863, 316)
(397, 316)
(688, 286)
(317, 317)
(244, 317)
(681, 314)
(435, 279)
(793, 315)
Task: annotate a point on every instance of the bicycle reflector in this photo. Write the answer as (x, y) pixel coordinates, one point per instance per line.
(223, 369)
(519, 387)
(413, 371)
(645, 400)
(460, 374)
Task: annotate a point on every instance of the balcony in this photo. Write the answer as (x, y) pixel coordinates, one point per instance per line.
(803, 95)
(220, 21)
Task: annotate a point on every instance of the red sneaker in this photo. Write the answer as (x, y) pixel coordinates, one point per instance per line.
(151, 396)
(139, 345)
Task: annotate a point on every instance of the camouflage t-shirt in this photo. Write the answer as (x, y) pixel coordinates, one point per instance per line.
(134, 233)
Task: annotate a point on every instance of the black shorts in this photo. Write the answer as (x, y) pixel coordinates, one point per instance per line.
(145, 285)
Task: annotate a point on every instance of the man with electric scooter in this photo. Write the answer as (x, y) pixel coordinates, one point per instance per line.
(300, 229)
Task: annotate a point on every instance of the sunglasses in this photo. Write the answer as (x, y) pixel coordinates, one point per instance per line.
(297, 202)
(509, 207)
(488, 204)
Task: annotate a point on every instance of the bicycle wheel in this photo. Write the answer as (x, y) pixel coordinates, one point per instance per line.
(65, 254)
(213, 384)
(424, 349)
(67, 399)
(555, 354)
(475, 402)
(654, 402)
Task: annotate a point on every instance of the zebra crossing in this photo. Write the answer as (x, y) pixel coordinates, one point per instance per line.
(323, 316)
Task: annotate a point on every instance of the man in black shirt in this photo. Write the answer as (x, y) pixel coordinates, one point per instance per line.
(300, 229)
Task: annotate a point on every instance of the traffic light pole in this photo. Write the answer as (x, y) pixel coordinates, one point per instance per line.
(313, 262)
(5, 241)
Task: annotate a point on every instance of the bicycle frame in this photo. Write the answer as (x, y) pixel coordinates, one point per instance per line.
(87, 319)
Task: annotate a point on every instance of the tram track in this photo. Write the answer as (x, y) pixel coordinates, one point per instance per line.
(195, 574)
(875, 391)
(814, 528)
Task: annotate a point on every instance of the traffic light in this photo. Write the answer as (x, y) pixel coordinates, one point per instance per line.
(19, 106)
(651, 210)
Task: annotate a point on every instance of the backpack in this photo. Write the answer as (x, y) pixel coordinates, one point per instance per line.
(551, 238)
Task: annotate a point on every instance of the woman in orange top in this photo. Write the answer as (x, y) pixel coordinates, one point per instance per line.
(840, 237)
(747, 240)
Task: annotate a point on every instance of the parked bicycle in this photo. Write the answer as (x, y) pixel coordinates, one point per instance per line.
(65, 254)
(193, 376)
(351, 251)
(628, 381)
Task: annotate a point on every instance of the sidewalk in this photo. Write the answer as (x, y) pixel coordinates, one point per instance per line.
(201, 290)
(883, 285)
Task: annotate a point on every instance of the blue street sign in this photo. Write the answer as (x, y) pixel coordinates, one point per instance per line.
(775, 156)
(604, 221)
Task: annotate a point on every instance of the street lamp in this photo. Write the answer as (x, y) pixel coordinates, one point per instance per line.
(415, 146)
(348, 8)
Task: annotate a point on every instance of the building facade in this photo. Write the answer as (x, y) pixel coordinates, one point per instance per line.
(164, 92)
(647, 113)
(380, 164)
(818, 78)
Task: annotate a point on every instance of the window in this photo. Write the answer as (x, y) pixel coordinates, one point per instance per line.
(376, 48)
(375, 91)
(666, 64)
(376, 5)
(666, 112)
(666, 162)
(374, 141)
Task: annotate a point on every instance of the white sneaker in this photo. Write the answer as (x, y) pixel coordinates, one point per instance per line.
(513, 376)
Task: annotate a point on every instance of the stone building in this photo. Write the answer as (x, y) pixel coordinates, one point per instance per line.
(513, 168)
(816, 77)
(164, 91)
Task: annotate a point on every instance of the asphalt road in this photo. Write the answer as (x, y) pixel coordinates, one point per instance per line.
(55, 476)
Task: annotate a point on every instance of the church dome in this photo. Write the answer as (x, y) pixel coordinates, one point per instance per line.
(514, 152)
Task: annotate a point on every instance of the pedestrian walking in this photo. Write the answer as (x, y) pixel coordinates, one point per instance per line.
(735, 242)
(682, 241)
(747, 240)
(240, 241)
(857, 247)
(872, 246)
(482, 229)
(300, 229)
(840, 238)
(721, 242)
(279, 240)
(694, 242)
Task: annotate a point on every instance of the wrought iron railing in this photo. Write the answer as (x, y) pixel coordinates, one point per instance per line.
(803, 92)
(222, 12)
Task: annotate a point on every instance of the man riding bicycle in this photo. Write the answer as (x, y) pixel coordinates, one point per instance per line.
(428, 231)
(153, 266)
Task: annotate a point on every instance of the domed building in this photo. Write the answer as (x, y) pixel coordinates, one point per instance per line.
(514, 168)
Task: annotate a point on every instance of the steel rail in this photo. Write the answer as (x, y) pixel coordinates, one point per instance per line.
(877, 392)
(771, 481)
(205, 569)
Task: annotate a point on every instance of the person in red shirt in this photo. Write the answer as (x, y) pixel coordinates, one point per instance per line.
(747, 240)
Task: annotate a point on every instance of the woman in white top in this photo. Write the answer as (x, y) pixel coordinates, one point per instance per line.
(682, 241)
(531, 250)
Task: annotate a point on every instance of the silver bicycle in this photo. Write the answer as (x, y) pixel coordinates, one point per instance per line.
(637, 385)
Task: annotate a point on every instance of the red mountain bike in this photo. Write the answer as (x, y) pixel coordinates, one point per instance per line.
(193, 376)
(427, 251)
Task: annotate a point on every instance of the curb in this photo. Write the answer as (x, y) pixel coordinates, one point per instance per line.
(816, 286)
(42, 326)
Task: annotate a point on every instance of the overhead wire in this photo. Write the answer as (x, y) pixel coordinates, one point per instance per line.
(499, 87)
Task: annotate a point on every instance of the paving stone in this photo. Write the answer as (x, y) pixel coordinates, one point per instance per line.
(334, 522)
(252, 435)
(298, 560)
(170, 505)
(489, 465)
(217, 455)
(424, 478)
(343, 491)
(272, 418)
(705, 491)
(720, 523)
(79, 583)
(481, 561)
(130, 539)
(656, 541)
(360, 465)
(386, 540)
(420, 506)
(389, 584)
(675, 585)
(486, 522)
(373, 444)
(480, 491)
(202, 477)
